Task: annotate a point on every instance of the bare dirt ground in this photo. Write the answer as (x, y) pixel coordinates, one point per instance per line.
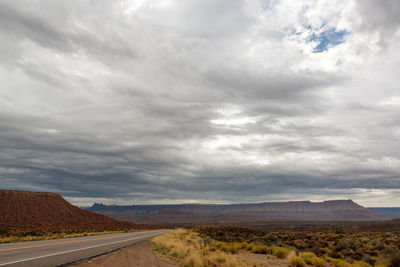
(262, 260)
(138, 255)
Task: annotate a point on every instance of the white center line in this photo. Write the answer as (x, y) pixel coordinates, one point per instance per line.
(73, 250)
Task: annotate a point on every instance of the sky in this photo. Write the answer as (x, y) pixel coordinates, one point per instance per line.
(201, 101)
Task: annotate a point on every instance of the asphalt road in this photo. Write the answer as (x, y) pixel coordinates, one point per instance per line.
(65, 251)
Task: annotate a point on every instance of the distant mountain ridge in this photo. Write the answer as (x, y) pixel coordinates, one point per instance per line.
(25, 211)
(181, 214)
(389, 212)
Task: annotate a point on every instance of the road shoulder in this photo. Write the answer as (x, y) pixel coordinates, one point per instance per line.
(137, 255)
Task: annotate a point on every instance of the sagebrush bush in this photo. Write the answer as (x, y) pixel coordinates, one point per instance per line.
(394, 258)
(243, 245)
(297, 262)
(261, 249)
(229, 248)
(307, 256)
(317, 261)
(280, 252)
(338, 262)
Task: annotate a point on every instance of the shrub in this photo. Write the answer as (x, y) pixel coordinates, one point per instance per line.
(324, 251)
(297, 262)
(250, 246)
(307, 256)
(395, 259)
(270, 240)
(243, 245)
(31, 233)
(317, 261)
(261, 249)
(280, 252)
(369, 260)
(299, 244)
(229, 248)
(360, 264)
(338, 262)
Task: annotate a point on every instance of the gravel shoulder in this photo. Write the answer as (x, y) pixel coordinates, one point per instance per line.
(138, 255)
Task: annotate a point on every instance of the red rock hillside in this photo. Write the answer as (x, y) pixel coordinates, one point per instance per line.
(25, 211)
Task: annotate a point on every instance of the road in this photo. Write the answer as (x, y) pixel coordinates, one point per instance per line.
(56, 252)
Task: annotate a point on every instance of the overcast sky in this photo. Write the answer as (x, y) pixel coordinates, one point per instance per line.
(212, 101)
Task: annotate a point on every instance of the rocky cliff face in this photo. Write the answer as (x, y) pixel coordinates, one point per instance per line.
(24, 211)
(335, 210)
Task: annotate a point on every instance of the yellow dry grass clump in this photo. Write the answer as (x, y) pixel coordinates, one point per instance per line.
(188, 249)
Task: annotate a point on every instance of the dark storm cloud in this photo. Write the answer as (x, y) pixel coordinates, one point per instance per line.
(131, 101)
(19, 23)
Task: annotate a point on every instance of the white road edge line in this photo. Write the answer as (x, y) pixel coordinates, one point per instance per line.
(73, 250)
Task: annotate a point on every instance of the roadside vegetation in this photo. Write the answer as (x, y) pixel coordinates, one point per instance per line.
(39, 235)
(313, 248)
(187, 248)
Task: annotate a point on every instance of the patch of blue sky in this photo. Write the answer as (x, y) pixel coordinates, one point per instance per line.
(328, 38)
(293, 30)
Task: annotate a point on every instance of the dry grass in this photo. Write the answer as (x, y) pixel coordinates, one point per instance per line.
(49, 236)
(187, 249)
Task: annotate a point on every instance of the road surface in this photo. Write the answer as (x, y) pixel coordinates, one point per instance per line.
(64, 251)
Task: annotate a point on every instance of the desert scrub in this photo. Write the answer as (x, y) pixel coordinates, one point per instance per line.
(187, 249)
(311, 259)
(307, 256)
(338, 262)
(317, 261)
(229, 248)
(280, 252)
(376, 244)
(342, 263)
(261, 249)
(297, 262)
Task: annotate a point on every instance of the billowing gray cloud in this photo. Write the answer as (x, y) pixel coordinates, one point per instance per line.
(378, 15)
(200, 101)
